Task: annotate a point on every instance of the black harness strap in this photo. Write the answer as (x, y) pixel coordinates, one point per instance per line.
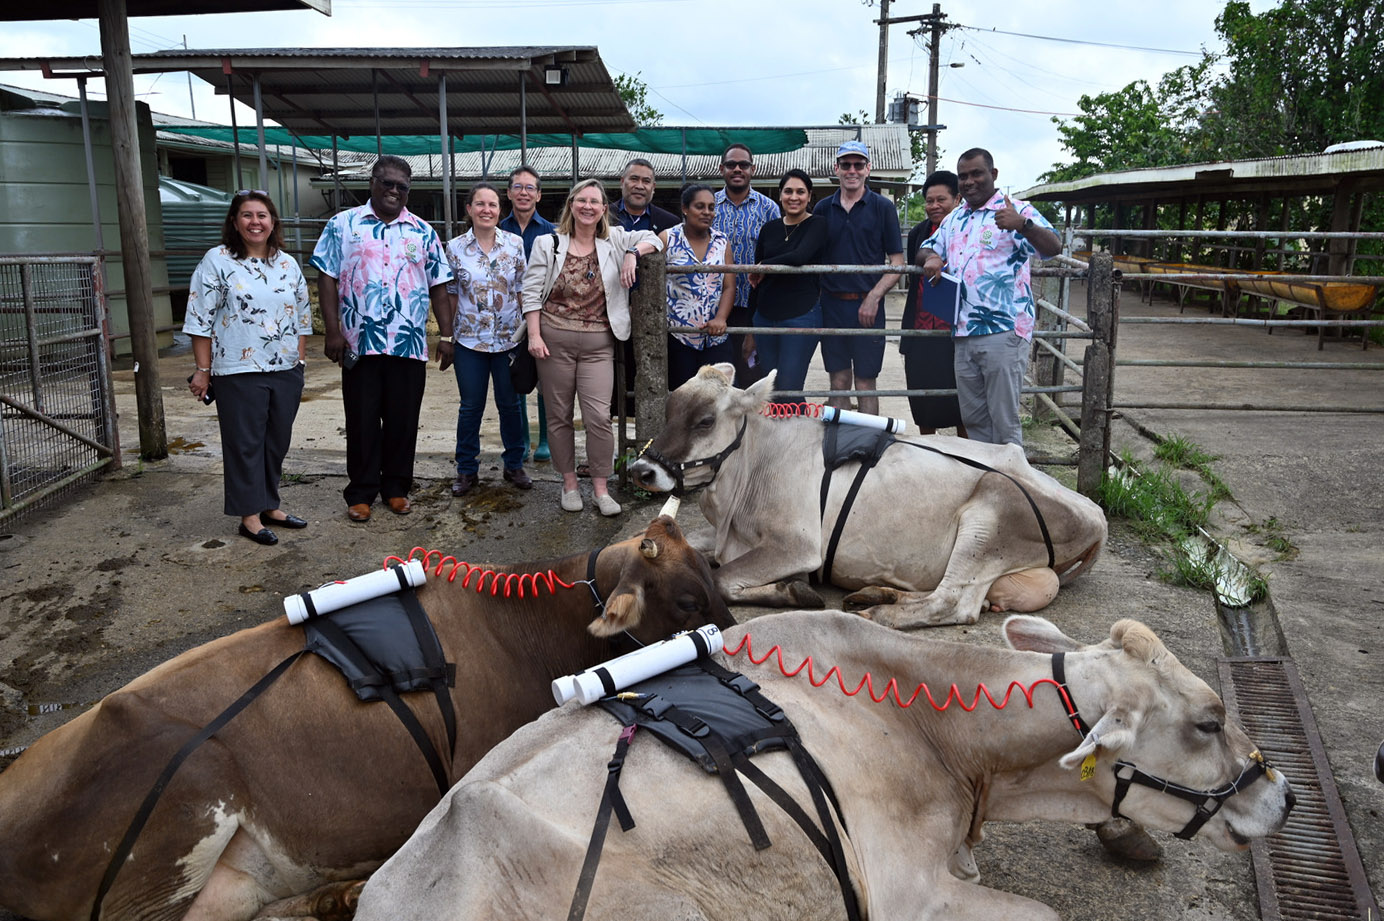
(443, 675)
(611, 800)
(389, 696)
(146, 808)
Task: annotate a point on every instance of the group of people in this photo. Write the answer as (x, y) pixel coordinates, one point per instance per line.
(562, 293)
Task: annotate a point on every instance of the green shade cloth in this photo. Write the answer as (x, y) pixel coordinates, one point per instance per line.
(700, 141)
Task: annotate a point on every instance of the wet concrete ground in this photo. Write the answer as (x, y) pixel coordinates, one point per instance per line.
(143, 565)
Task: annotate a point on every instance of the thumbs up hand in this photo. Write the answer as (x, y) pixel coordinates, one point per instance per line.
(1008, 217)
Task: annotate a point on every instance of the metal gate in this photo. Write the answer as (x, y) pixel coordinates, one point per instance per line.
(57, 410)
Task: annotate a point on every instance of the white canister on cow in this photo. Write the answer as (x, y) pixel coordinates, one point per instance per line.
(337, 595)
(633, 667)
(868, 420)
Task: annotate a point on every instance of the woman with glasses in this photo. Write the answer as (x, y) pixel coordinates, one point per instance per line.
(789, 301)
(576, 305)
(248, 316)
(702, 300)
(487, 276)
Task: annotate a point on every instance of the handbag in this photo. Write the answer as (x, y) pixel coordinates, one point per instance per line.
(523, 368)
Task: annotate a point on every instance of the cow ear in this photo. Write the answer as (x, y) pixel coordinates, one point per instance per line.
(1113, 733)
(760, 391)
(623, 611)
(723, 368)
(1034, 634)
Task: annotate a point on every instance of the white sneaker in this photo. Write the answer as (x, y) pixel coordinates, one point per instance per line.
(571, 500)
(608, 506)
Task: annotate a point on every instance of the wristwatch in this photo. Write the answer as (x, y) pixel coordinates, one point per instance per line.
(1028, 225)
(446, 339)
(634, 250)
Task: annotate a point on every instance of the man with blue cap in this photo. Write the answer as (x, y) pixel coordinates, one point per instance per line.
(862, 229)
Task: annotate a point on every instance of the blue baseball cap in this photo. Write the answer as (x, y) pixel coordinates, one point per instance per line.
(853, 147)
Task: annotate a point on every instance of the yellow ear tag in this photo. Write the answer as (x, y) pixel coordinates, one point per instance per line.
(1088, 766)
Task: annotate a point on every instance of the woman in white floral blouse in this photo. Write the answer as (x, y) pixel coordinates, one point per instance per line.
(248, 316)
(487, 277)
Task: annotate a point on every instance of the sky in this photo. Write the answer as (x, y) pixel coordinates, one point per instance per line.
(730, 62)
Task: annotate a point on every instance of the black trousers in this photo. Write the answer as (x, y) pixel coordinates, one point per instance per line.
(382, 396)
(255, 411)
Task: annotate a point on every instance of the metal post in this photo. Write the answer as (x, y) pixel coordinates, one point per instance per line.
(375, 95)
(134, 229)
(336, 179)
(235, 137)
(649, 316)
(297, 217)
(882, 73)
(684, 156)
(259, 135)
(445, 130)
(102, 315)
(26, 287)
(934, 63)
(576, 161)
(91, 172)
(523, 119)
(1098, 373)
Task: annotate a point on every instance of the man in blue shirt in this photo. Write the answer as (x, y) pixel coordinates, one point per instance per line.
(741, 213)
(524, 191)
(862, 229)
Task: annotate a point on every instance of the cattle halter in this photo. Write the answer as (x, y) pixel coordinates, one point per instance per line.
(1207, 802)
(676, 470)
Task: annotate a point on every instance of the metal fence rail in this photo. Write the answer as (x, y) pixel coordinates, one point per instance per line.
(57, 419)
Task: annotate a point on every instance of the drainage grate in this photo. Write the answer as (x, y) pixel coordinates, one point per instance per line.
(1310, 869)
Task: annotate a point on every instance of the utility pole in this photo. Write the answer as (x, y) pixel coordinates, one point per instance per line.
(883, 72)
(934, 55)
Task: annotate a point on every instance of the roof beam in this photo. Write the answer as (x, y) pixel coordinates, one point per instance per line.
(503, 89)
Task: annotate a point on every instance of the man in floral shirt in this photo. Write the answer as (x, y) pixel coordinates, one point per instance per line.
(987, 243)
(380, 269)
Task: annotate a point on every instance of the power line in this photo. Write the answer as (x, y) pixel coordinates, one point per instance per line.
(1078, 41)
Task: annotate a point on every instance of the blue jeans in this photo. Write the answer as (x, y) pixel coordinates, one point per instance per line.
(789, 355)
(475, 370)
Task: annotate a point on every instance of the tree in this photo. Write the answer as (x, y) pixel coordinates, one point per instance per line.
(634, 93)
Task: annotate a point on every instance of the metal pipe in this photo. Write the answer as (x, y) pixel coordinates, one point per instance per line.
(89, 469)
(235, 135)
(259, 135)
(375, 96)
(1243, 321)
(336, 178)
(26, 286)
(1213, 363)
(445, 129)
(1073, 320)
(90, 165)
(48, 420)
(878, 269)
(523, 118)
(885, 333)
(1251, 407)
(1060, 355)
(1230, 234)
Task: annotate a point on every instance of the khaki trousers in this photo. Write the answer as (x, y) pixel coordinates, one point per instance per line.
(580, 367)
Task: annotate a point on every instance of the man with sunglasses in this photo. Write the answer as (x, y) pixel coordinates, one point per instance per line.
(741, 213)
(862, 229)
(524, 191)
(380, 268)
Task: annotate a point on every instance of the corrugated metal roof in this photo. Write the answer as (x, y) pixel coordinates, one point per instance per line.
(890, 155)
(1296, 173)
(90, 9)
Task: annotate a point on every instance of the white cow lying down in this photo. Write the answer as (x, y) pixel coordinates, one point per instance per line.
(929, 539)
(914, 785)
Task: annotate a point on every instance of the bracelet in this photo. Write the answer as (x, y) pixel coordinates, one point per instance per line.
(203, 370)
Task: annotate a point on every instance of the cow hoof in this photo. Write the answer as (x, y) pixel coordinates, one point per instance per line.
(872, 595)
(1123, 838)
(802, 595)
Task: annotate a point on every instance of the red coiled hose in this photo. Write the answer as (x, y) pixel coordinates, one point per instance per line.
(514, 583)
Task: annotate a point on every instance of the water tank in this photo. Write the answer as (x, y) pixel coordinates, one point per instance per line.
(192, 219)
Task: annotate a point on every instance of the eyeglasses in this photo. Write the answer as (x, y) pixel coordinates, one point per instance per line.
(523, 187)
(253, 192)
(390, 185)
(736, 164)
(847, 166)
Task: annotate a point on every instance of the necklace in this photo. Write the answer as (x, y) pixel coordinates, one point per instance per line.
(789, 228)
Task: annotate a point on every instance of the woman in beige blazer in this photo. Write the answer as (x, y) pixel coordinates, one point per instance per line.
(576, 304)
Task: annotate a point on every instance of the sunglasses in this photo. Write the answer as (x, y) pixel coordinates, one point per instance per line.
(253, 192)
(390, 185)
(736, 164)
(847, 166)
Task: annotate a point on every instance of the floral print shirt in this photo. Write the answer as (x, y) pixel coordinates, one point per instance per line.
(383, 272)
(993, 267)
(252, 310)
(487, 287)
(693, 299)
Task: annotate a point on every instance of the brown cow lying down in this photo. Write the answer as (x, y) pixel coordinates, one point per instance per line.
(929, 540)
(913, 785)
(307, 786)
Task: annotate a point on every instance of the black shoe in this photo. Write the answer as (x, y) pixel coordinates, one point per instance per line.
(464, 483)
(262, 536)
(288, 521)
(519, 478)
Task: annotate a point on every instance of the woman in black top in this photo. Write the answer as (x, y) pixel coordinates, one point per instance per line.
(928, 361)
(788, 301)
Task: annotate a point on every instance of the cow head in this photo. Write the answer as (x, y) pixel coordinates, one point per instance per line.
(1164, 731)
(703, 422)
(662, 586)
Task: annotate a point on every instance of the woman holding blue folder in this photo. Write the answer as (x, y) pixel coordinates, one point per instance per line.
(927, 360)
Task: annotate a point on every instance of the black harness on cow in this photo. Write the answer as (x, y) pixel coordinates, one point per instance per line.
(676, 470)
(1207, 802)
(367, 644)
(720, 720)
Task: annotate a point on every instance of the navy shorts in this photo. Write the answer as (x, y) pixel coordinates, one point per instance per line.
(862, 354)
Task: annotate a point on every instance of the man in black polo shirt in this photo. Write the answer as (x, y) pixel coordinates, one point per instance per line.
(862, 229)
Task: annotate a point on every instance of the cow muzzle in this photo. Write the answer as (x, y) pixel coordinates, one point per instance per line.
(660, 474)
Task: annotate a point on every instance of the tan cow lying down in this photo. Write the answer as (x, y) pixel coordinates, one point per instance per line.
(307, 785)
(914, 785)
(928, 541)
